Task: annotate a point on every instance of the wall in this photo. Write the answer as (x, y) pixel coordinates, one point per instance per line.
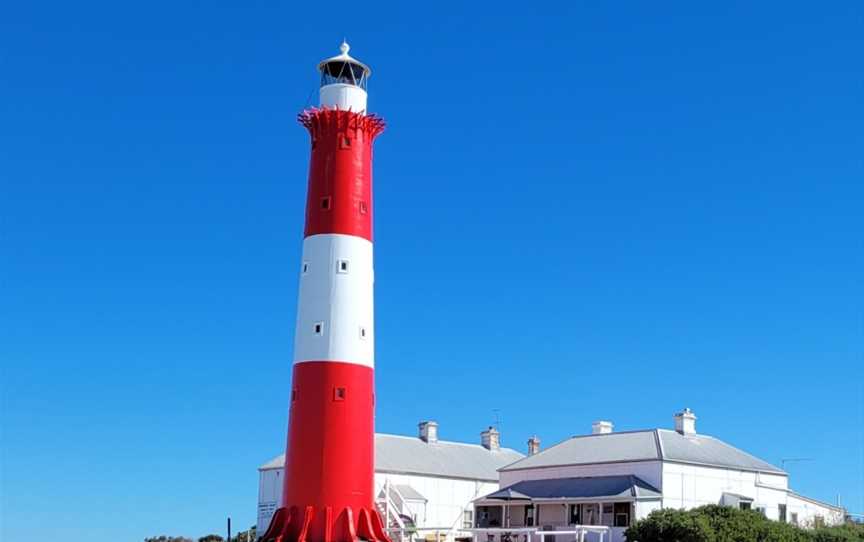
(689, 486)
(808, 511)
(446, 498)
(269, 496)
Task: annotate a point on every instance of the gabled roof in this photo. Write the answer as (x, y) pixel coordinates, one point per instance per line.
(647, 445)
(409, 455)
(590, 487)
(409, 493)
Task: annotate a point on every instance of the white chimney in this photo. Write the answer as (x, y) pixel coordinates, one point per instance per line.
(685, 422)
(490, 439)
(428, 431)
(533, 445)
(601, 427)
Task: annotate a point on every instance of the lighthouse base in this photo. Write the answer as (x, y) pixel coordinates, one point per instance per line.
(325, 525)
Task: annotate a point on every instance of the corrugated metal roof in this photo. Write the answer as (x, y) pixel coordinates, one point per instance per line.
(410, 455)
(606, 448)
(590, 487)
(707, 450)
(648, 445)
(409, 493)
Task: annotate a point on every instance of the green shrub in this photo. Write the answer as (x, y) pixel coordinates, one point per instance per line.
(844, 533)
(725, 524)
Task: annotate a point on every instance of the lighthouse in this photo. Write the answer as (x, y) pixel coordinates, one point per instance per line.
(328, 491)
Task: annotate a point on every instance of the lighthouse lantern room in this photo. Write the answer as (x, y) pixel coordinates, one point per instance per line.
(343, 82)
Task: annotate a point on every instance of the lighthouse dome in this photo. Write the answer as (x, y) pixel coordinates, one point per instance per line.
(343, 69)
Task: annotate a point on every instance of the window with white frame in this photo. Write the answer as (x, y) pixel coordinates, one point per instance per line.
(468, 519)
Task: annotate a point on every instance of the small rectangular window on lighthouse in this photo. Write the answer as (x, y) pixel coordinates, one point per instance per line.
(319, 328)
(305, 267)
(326, 203)
(362, 332)
(363, 208)
(338, 394)
(344, 142)
(342, 266)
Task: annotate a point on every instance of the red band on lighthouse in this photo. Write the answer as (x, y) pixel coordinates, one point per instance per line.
(339, 198)
(328, 490)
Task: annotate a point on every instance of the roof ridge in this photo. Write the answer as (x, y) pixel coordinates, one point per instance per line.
(447, 442)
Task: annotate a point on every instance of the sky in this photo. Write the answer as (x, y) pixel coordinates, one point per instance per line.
(584, 210)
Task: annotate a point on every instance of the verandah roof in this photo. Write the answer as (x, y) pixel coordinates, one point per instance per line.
(590, 487)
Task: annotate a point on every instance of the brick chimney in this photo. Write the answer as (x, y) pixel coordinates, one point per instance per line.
(601, 427)
(685, 422)
(490, 439)
(428, 431)
(533, 445)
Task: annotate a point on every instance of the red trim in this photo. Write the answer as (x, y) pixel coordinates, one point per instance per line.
(339, 195)
(329, 457)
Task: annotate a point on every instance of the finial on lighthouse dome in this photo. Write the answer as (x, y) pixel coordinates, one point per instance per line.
(343, 81)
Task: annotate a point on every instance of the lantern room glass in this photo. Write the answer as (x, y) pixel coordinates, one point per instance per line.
(344, 73)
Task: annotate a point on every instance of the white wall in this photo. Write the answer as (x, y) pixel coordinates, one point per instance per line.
(269, 496)
(689, 486)
(650, 471)
(809, 511)
(447, 497)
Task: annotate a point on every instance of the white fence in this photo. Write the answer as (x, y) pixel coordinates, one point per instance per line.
(529, 534)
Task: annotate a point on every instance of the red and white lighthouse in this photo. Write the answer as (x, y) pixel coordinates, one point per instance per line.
(328, 492)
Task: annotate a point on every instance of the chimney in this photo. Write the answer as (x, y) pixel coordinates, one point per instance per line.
(533, 445)
(685, 422)
(601, 427)
(428, 431)
(490, 439)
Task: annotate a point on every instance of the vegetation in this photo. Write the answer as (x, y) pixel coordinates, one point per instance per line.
(725, 524)
(243, 536)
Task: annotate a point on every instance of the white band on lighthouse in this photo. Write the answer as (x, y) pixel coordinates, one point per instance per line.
(343, 97)
(335, 319)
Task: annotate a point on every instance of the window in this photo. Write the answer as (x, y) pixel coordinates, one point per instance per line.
(363, 208)
(744, 505)
(344, 142)
(761, 510)
(529, 516)
(293, 395)
(319, 328)
(468, 519)
(622, 514)
(362, 332)
(586, 514)
(608, 515)
(326, 203)
(794, 518)
(305, 267)
(338, 394)
(342, 266)
(575, 519)
(781, 509)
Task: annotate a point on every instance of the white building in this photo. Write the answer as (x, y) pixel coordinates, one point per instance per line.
(612, 479)
(432, 483)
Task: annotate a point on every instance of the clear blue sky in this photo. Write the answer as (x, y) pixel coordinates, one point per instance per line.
(585, 210)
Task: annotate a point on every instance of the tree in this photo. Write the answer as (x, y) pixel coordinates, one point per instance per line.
(211, 538)
(163, 538)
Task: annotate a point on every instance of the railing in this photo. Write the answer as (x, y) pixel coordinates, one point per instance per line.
(506, 535)
(441, 533)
